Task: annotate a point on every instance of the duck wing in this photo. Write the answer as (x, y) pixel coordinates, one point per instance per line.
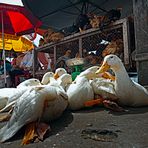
(79, 92)
(28, 108)
(8, 95)
(140, 88)
(5, 95)
(104, 88)
(56, 103)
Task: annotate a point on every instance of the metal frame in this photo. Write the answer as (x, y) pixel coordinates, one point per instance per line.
(79, 36)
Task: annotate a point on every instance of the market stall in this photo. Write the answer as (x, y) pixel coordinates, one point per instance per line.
(91, 39)
(64, 13)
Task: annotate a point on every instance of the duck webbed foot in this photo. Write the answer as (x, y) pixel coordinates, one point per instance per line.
(93, 102)
(113, 106)
(35, 132)
(42, 129)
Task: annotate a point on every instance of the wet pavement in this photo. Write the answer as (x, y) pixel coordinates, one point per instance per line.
(130, 128)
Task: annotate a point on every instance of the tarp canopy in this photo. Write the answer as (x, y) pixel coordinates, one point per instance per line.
(17, 43)
(62, 13)
(17, 20)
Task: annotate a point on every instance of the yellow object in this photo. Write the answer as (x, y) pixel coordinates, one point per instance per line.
(17, 43)
(56, 76)
(104, 67)
(107, 75)
(35, 132)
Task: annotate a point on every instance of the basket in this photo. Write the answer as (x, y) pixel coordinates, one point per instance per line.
(75, 61)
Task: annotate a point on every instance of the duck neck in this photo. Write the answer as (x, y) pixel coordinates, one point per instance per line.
(62, 85)
(121, 74)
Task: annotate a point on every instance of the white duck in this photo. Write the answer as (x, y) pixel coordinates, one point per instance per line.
(65, 80)
(59, 72)
(80, 91)
(101, 86)
(104, 88)
(29, 82)
(90, 73)
(30, 107)
(129, 93)
(46, 78)
(8, 95)
(55, 108)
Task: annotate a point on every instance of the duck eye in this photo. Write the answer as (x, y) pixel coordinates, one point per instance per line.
(111, 57)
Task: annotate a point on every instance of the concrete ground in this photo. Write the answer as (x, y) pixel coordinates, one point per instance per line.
(131, 128)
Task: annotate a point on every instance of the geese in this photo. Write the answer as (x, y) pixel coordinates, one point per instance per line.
(129, 92)
(30, 107)
(59, 72)
(46, 78)
(8, 95)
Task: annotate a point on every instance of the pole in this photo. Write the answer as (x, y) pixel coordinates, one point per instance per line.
(3, 55)
(80, 47)
(140, 10)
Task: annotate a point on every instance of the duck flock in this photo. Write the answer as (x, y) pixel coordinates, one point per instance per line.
(34, 104)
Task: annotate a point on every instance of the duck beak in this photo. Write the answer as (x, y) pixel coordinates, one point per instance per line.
(56, 76)
(107, 75)
(103, 68)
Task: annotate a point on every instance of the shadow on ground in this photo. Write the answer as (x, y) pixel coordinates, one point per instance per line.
(131, 129)
(56, 126)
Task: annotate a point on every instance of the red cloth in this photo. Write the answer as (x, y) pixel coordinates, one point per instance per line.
(13, 62)
(42, 59)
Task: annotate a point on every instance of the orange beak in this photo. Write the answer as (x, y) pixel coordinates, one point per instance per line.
(56, 75)
(107, 75)
(104, 67)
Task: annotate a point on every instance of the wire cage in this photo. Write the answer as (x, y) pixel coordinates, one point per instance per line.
(117, 38)
(72, 45)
